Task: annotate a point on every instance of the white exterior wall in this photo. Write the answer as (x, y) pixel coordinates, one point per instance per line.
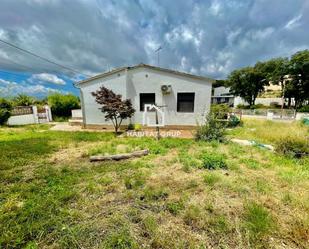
(221, 91)
(22, 120)
(263, 101)
(91, 112)
(133, 82)
(77, 113)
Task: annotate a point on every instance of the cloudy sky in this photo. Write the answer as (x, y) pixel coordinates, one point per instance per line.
(206, 37)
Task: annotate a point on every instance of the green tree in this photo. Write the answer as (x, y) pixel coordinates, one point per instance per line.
(275, 71)
(247, 83)
(298, 85)
(5, 110)
(62, 104)
(23, 100)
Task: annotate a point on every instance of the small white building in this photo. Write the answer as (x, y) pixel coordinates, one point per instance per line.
(222, 95)
(184, 98)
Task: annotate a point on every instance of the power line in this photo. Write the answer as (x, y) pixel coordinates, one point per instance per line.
(18, 64)
(41, 57)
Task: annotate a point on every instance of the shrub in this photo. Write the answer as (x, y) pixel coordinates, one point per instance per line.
(220, 111)
(305, 121)
(274, 105)
(304, 109)
(61, 105)
(211, 130)
(137, 127)
(293, 146)
(5, 110)
(234, 121)
(130, 127)
(258, 106)
(213, 161)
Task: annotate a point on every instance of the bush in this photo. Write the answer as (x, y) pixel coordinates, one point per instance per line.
(305, 121)
(304, 109)
(5, 110)
(274, 105)
(293, 146)
(213, 161)
(212, 130)
(61, 105)
(234, 121)
(220, 111)
(257, 106)
(134, 127)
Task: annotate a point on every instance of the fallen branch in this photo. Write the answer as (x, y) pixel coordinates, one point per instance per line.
(118, 157)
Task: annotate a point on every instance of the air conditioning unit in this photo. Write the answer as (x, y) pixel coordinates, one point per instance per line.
(166, 89)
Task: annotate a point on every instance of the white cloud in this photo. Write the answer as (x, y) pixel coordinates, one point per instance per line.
(96, 35)
(215, 7)
(47, 77)
(11, 88)
(294, 22)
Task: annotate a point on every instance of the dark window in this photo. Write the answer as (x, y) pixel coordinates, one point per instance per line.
(185, 102)
(146, 98)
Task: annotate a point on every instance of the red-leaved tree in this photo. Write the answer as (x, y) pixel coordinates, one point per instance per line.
(113, 106)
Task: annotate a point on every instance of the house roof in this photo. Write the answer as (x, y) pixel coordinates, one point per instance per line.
(117, 70)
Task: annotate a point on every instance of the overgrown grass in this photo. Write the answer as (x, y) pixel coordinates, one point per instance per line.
(185, 194)
(265, 131)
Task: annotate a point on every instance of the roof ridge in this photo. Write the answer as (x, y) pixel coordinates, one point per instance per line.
(147, 66)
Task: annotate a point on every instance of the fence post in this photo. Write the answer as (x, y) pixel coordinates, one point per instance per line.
(35, 114)
(48, 113)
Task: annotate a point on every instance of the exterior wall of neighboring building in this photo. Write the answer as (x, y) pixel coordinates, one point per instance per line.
(263, 101)
(221, 91)
(221, 95)
(130, 83)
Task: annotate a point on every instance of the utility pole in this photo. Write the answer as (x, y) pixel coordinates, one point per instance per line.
(158, 52)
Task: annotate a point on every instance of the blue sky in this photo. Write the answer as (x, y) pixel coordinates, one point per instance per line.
(210, 37)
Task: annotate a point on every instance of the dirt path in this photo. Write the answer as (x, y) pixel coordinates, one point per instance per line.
(63, 126)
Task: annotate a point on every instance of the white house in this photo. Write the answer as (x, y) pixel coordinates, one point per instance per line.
(222, 95)
(184, 98)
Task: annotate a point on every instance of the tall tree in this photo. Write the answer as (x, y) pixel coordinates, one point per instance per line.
(114, 108)
(298, 85)
(247, 83)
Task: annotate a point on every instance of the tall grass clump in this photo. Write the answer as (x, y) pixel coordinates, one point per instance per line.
(258, 221)
(293, 146)
(213, 161)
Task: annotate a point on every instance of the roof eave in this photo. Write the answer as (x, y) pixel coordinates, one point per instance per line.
(211, 81)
